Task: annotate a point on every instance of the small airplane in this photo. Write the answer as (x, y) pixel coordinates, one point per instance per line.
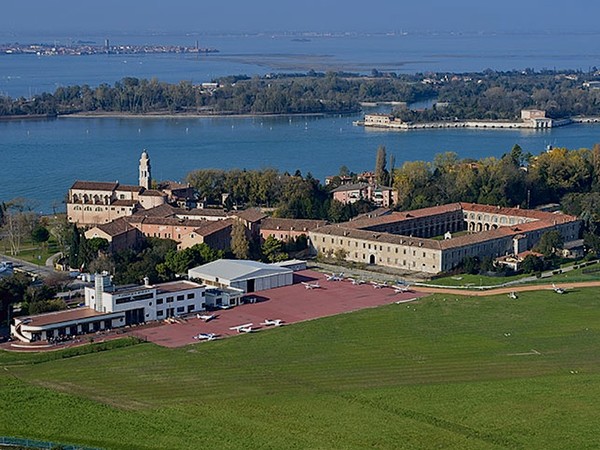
(558, 289)
(399, 302)
(513, 295)
(311, 285)
(356, 282)
(399, 289)
(206, 317)
(273, 322)
(246, 328)
(206, 337)
(378, 285)
(335, 276)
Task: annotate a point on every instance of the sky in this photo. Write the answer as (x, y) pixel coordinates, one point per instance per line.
(89, 16)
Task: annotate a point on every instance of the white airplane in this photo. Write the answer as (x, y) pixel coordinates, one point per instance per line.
(206, 337)
(378, 285)
(335, 276)
(206, 317)
(356, 282)
(399, 289)
(246, 328)
(273, 322)
(399, 302)
(311, 285)
(513, 295)
(558, 289)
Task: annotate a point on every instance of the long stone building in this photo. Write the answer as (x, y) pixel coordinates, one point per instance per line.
(425, 240)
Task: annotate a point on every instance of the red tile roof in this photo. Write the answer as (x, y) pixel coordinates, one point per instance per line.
(517, 212)
(365, 222)
(95, 185)
(250, 214)
(275, 223)
(209, 227)
(116, 227)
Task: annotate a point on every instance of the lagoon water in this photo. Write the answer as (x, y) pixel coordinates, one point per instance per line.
(40, 159)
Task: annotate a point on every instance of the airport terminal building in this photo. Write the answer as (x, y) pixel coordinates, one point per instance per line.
(108, 306)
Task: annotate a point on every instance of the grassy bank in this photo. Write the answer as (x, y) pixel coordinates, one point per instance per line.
(441, 372)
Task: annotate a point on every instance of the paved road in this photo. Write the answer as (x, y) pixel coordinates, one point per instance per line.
(40, 271)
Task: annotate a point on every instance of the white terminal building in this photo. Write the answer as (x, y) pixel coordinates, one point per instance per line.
(108, 306)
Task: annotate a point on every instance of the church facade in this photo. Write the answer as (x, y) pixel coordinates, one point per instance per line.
(92, 203)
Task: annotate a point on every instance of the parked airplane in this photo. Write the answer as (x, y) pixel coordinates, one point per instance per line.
(399, 289)
(356, 282)
(378, 285)
(206, 337)
(311, 285)
(273, 322)
(246, 328)
(206, 317)
(335, 276)
(558, 289)
(513, 295)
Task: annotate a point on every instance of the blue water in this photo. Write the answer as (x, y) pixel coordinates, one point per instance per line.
(258, 54)
(40, 160)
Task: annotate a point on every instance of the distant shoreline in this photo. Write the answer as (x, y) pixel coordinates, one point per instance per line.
(117, 115)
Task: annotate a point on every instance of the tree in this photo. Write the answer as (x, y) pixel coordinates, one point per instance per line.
(19, 221)
(12, 290)
(272, 250)
(40, 234)
(240, 246)
(532, 264)
(98, 244)
(550, 243)
(340, 255)
(381, 173)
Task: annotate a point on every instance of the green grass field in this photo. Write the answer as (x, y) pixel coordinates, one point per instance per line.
(476, 281)
(443, 372)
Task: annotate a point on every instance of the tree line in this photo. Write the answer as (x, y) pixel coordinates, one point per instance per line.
(487, 95)
(289, 195)
(502, 95)
(317, 93)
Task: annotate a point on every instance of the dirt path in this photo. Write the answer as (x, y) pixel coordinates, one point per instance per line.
(506, 290)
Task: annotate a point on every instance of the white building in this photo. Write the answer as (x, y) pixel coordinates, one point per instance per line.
(145, 303)
(249, 276)
(108, 306)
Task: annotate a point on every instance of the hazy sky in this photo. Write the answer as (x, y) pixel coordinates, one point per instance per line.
(63, 16)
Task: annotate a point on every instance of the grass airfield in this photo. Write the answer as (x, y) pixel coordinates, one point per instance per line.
(446, 371)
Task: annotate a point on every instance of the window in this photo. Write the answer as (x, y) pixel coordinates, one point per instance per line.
(191, 295)
(180, 297)
(159, 313)
(169, 299)
(159, 301)
(180, 309)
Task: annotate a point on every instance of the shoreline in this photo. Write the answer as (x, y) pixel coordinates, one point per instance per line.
(117, 115)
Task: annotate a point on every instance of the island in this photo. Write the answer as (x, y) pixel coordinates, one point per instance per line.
(81, 48)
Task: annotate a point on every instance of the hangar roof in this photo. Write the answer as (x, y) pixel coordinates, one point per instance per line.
(236, 270)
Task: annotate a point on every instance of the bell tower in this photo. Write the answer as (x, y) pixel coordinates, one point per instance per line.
(145, 171)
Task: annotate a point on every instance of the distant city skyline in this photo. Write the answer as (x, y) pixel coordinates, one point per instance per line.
(70, 16)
